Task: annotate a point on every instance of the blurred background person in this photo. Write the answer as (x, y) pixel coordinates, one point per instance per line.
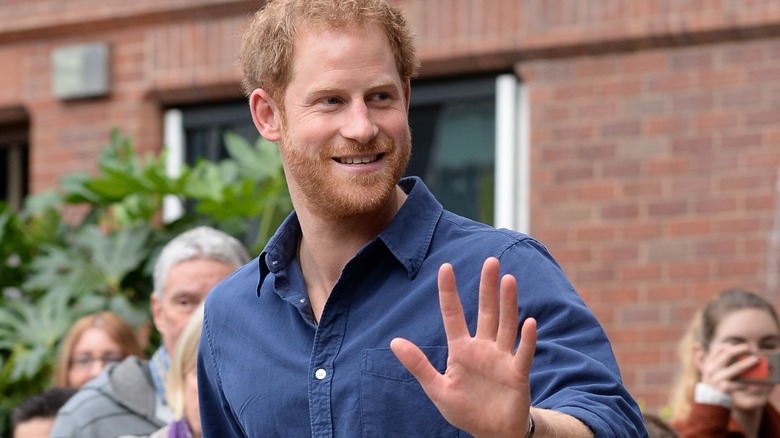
(91, 343)
(128, 398)
(181, 385)
(729, 336)
(33, 417)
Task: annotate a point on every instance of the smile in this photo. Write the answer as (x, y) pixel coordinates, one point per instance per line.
(365, 159)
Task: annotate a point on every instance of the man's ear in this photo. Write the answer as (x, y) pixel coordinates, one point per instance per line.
(156, 312)
(265, 114)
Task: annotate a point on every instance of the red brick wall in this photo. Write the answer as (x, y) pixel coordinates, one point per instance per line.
(655, 128)
(653, 183)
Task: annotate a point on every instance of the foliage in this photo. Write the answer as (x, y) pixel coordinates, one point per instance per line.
(54, 270)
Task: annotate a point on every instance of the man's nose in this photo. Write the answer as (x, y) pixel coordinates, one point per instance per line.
(359, 125)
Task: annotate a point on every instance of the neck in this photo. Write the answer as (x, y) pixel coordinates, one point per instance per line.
(327, 245)
(750, 421)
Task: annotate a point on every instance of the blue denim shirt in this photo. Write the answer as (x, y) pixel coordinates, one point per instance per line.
(265, 368)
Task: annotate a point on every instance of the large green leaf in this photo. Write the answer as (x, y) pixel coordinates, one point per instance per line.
(115, 254)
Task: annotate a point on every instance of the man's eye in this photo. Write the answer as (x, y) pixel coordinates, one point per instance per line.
(332, 100)
(382, 96)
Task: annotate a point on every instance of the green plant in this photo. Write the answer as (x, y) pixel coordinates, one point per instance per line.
(53, 271)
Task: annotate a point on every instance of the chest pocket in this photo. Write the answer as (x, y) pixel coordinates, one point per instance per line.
(392, 402)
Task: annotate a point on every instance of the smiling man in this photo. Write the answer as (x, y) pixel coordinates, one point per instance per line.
(350, 323)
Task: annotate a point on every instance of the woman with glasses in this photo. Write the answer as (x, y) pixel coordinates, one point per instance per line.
(93, 342)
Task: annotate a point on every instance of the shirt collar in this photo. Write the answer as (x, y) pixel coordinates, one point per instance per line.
(159, 365)
(407, 236)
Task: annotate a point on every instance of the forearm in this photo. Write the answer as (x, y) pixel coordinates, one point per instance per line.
(553, 424)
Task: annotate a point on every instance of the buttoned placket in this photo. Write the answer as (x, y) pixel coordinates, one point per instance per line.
(327, 340)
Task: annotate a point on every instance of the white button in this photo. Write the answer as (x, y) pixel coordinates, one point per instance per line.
(320, 374)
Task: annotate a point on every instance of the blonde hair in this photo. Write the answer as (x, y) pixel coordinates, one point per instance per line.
(701, 331)
(267, 49)
(113, 325)
(183, 360)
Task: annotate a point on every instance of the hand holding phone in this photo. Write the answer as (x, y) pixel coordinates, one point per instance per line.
(767, 370)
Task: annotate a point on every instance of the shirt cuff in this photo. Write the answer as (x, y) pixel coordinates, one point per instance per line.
(706, 394)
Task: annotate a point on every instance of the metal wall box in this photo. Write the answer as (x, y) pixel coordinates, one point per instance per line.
(80, 71)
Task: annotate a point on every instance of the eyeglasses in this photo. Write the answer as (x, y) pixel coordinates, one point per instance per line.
(85, 362)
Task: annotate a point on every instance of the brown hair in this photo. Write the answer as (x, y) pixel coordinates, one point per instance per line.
(267, 49)
(701, 331)
(114, 326)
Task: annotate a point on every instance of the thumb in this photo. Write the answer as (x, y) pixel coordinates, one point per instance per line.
(415, 361)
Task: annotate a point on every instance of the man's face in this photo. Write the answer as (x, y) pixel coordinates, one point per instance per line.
(345, 135)
(186, 287)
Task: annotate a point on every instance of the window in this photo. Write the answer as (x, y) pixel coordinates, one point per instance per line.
(14, 168)
(470, 146)
(453, 137)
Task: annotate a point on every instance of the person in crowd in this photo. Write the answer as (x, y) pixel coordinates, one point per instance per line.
(33, 417)
(181, 385)
(725, 381)
(128, 398)
(350, 322)
(91, 343)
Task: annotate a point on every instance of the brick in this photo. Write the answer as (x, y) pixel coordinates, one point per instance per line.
(669, 165)
(621, 128)
(665, 125)
(714, 205)
(620, 211)
(619, 254)
(598, 191)
(640, 272)
(667, 208)
(690, 270)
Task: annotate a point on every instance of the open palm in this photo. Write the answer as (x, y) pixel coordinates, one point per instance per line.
(485, 389)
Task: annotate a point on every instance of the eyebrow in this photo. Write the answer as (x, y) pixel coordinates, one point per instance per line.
(325, 89)
(761, 339)
(183, 294)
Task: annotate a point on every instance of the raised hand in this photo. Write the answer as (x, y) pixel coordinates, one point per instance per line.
(720, 366)
(485, 389)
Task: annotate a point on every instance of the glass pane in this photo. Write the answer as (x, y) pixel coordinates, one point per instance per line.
(454, 152)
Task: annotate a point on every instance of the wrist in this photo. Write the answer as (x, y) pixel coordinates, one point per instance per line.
(706, 394)
(531, 425)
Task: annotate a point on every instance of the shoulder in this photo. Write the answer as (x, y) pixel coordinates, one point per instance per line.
(105, 403)
(131, 369)
(92, 401)
(464, 227)
(455, 233)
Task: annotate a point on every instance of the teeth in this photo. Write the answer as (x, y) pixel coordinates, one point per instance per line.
(358, 160)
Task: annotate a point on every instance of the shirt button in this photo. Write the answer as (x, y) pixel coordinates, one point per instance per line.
(320, 374)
